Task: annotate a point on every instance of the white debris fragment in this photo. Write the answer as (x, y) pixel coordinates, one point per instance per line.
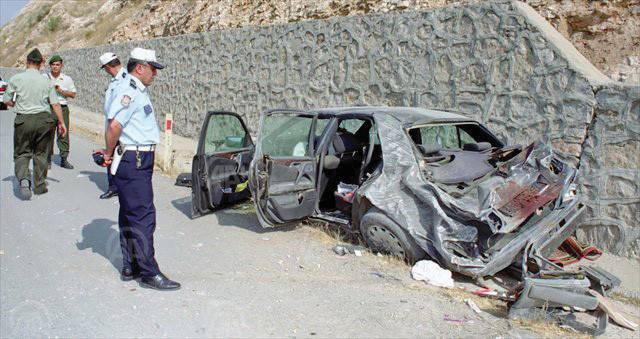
(473, 306)
(431, 273)
(358, 253)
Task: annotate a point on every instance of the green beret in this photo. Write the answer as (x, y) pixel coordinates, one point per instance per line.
(55, 58)
(35, 56)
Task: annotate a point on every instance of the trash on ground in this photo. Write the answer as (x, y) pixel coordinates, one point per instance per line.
(457, 321)
(614, 314)
(473, 305)
(431, 273)
(348, 249)
(386, 276)
(493, 294)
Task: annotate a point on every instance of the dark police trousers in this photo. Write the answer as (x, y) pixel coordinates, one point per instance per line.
(111, 181)
(137, 218)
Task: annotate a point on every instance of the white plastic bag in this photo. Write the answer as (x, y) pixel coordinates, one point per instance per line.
(431, 273)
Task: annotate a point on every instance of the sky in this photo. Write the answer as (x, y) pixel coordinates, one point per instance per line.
(9, 9)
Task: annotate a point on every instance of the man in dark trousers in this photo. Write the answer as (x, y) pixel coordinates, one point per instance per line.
(133, 124)
(111, 65)
(30, 94)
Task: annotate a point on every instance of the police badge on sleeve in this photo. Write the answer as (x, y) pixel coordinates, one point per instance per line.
(126, 101)
(147, 109)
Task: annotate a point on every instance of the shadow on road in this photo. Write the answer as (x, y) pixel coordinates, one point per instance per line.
(183, 205)
(98, 178)
(240, 215)
(102, 238)
(16, 187)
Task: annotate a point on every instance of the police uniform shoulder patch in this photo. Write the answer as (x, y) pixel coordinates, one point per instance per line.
(147, 109)
(132, 83)
(126, 101)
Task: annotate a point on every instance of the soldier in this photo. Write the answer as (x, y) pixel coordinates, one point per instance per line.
(134, 125)
(111, 64)
(31, 94)
(65, 88)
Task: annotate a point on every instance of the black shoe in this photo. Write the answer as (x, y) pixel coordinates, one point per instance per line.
(159, 282)
(108, 194)
(128, 275)
(65, 164)
(25, 189)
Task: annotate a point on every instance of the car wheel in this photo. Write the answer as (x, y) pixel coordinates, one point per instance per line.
(385, 236)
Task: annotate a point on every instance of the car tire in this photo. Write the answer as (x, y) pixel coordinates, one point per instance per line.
(383, 235)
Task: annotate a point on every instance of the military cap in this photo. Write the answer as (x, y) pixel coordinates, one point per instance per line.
(54, 58)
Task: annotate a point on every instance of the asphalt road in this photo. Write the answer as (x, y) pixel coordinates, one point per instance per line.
(60, 260)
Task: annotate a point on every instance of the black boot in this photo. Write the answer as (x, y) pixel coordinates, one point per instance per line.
(108, 194)
(25, 189)
(65, 164)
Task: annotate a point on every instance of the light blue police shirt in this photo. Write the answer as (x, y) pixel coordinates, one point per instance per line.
(122, 75)
(131, 107)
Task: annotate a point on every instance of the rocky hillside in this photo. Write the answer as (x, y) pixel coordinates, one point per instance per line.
(606, 32)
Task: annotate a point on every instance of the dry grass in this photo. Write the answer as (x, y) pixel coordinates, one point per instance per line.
(494, 307)
(246, 207)
(635, 302)
(548, 329)
(328, 233)
(101, 30)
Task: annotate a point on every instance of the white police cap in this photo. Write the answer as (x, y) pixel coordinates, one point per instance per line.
(146, 55)
(106, 58)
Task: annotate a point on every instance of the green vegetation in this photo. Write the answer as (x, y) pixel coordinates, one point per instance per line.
(53, 23)
(89, 33)
(39, 15)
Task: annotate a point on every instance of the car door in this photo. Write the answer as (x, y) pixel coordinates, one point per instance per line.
(283, 171)
(219, 171)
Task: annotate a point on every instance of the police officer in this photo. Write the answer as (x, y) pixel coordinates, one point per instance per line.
(65, 88)
(134, 125)
(111, 64)
(31, 94)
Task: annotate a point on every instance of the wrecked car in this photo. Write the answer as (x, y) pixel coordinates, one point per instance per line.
(412, 182)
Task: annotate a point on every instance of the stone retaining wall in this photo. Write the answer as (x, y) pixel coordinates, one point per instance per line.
(498, 62)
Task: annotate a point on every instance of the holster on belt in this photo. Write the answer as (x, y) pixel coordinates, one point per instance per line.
(117, 156)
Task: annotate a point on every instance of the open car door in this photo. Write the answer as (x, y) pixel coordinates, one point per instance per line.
(283, 172)
(219, 171)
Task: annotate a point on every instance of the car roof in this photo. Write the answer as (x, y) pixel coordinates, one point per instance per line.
(406, 115)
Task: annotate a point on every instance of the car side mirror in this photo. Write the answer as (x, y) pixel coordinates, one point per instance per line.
(330, 162)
